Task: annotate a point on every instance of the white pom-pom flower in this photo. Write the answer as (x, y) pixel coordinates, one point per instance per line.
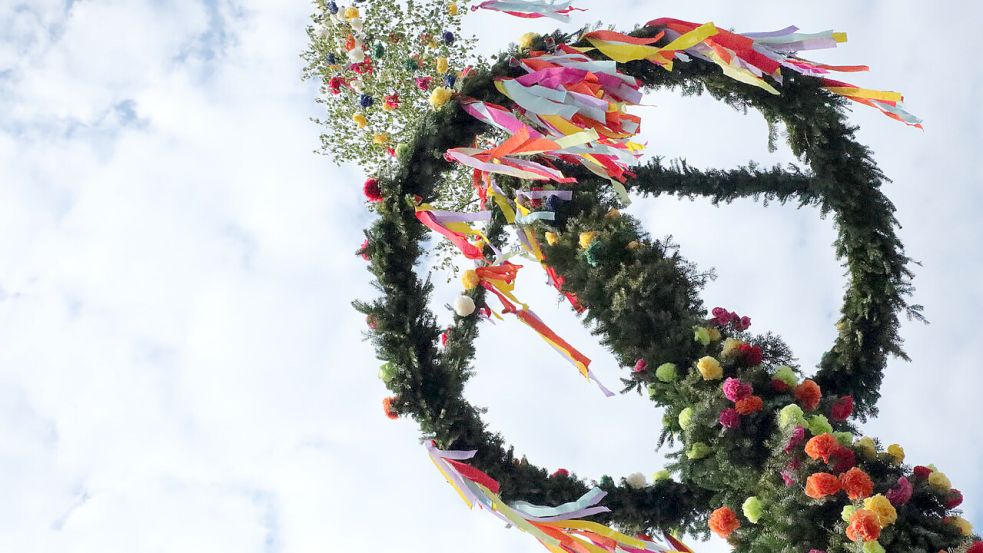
(636, 480)
(464, 306)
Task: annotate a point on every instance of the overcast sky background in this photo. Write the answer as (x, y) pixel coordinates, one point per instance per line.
(180, 367)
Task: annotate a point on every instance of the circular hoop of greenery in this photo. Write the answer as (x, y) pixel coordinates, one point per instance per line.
(643, 300)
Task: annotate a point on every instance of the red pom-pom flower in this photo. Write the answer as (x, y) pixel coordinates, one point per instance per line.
(372, 191)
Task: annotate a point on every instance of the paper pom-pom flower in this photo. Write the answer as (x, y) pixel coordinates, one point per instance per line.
(867, 447)
(847, 513)
(699, 450)
(464, 306)
(586, 238)
(841, 409)
(667, 372)
(786, 375)
(360, 120)
(440, 96)
(896, 452)
(819, 424)
(710, 368)
(661, 475)
(822, 484)
(749, 405)
(686, 418)
(423, 83)
(388, 409)
(873, 547)
(863, 526)
(845, 438)
(808, 395)
(922, 473)
(390, 102)
(734, 389)
(470, 279)
(447, 37)
(961, 524)
(939, 481)
(857, 484)
(371, 190)
(795, 439)
(365, 100)
(640, 366)
(791, 415)
(560, 473)
(821, 446)
(900, 493)
(976, 548)
(753, 508)
(751, 355)
(881, 506)
(729, 418)
(842, 459)
(701, 335)
(729, 347)
(363, 250)
(526, 40)
(723, 522)
(953, 499)
(441, 64)
(636, 480)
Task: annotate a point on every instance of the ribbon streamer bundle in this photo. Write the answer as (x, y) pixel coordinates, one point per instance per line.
(557, 528)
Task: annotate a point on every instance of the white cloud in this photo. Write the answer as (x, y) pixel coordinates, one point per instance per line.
(180, 369)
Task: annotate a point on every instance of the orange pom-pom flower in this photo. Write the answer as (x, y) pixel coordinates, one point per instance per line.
(822, 484)
(863, 526)
(821, 447)
(723, 522)
(857, 484)
(748, 405)
(808, 395)
(387, 407)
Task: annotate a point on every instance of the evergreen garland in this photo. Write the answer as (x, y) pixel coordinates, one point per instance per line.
(643, 300)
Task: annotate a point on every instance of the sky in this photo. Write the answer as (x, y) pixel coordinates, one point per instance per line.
(180, 366)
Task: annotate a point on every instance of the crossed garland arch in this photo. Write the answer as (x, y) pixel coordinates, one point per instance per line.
(655, 321)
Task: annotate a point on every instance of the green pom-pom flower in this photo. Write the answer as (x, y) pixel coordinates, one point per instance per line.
(402, 150)
(387, 372)
(753, 508)
(791, 415)
(701, 335)
(667, 372)
(847, 513)
(699, 450)
(873, 547)
(686, 418)
(660, 475)
(786, 375)
(845, 438)
(819, 424)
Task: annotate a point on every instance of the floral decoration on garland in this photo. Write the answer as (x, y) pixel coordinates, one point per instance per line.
(768, 460)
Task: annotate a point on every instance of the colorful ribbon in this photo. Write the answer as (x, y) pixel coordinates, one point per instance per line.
(530, 9)
(558, 528)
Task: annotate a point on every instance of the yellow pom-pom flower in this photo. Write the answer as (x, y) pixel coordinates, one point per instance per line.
(896, 452)
(552, 238)
(880, 506)
(634, 245)
(351, 12)
(729, 347)
(360, 120)
(866, 447)
(586, 238)
(452, 8)
(710, 368)
(714, 334)
(526, 40)
(441, 64)
(470, 279)
(940, 481)
(612, 213)
(440, 96)
(965, 528)
(380, 138)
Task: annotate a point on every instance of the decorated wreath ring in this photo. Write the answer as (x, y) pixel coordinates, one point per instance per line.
(756, 440)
